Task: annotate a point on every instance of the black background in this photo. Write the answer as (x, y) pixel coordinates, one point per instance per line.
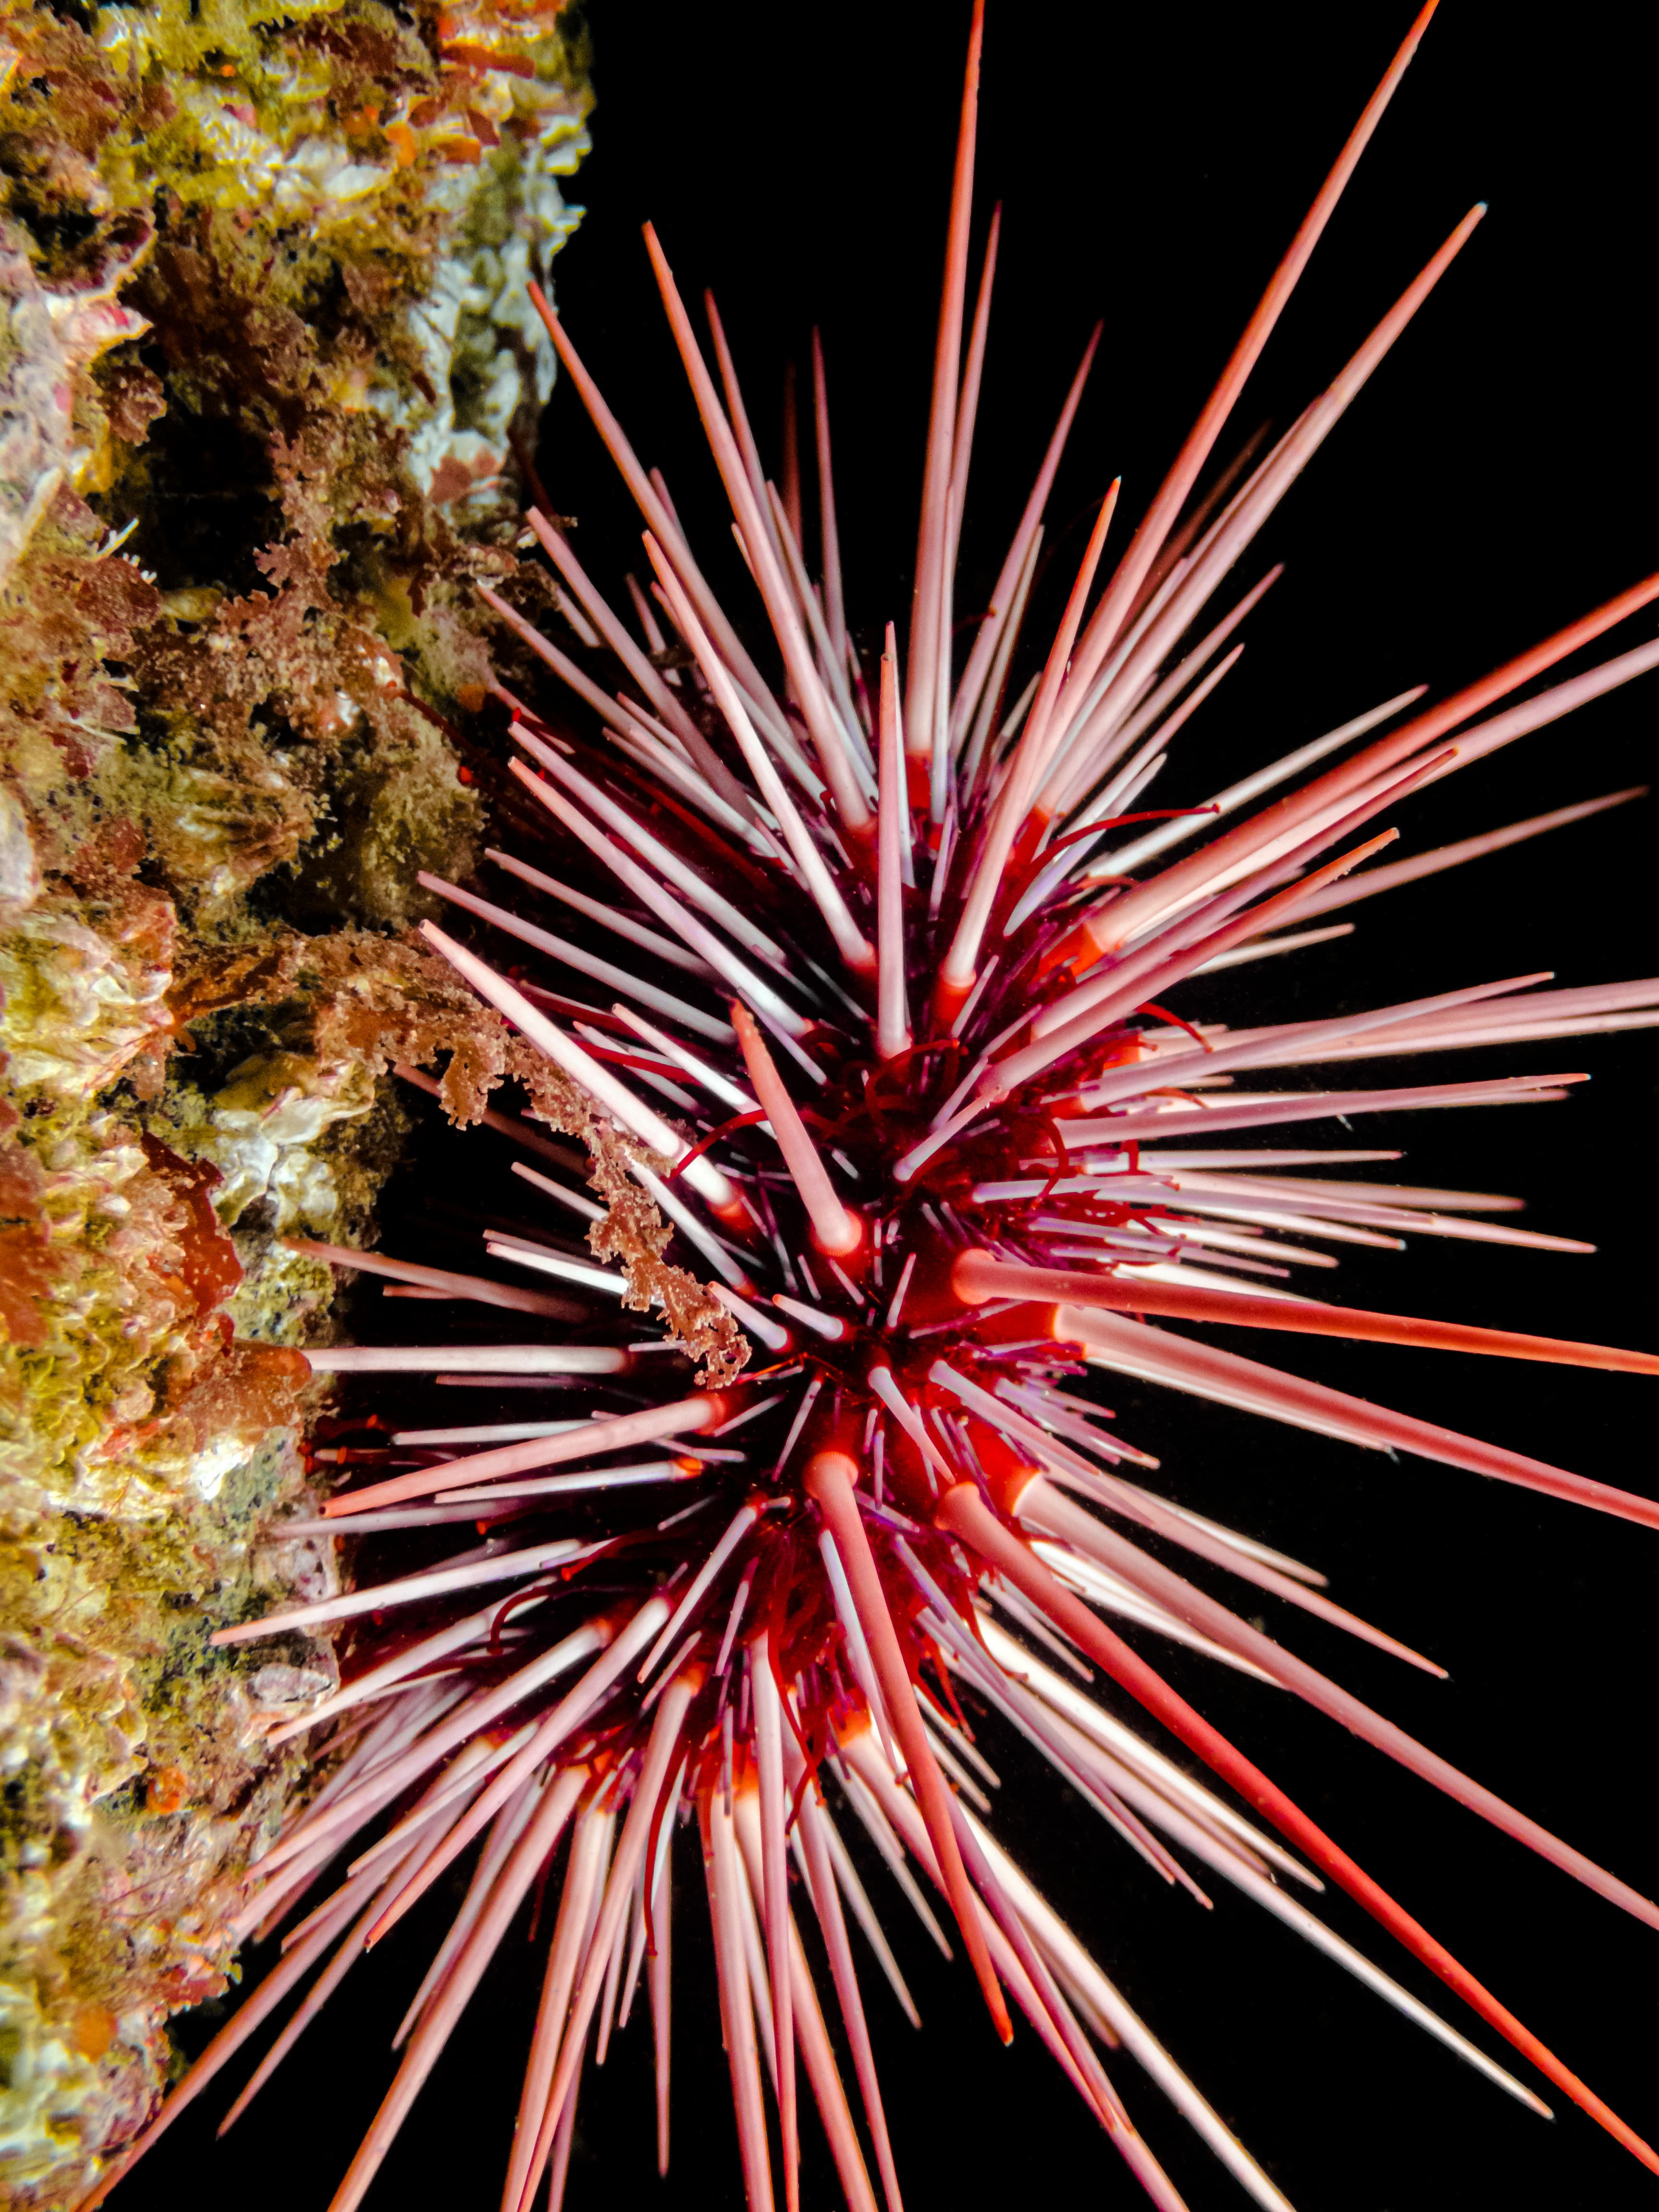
(1496, 480)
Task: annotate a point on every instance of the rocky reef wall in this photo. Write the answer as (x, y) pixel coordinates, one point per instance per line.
(264, 352)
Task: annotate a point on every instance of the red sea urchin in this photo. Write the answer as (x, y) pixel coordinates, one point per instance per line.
(979, 1167)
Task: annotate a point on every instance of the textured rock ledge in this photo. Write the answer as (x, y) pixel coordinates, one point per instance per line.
(264, 342)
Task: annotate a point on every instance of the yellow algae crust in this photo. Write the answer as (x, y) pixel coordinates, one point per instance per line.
(263, 339)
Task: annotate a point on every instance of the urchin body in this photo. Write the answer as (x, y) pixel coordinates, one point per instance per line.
(902, 1075)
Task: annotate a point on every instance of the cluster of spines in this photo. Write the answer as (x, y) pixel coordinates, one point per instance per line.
(929, 1060)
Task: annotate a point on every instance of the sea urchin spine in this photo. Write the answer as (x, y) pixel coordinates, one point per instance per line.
(940, 1143)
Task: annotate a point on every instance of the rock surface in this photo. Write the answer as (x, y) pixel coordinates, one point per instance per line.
(262, 339)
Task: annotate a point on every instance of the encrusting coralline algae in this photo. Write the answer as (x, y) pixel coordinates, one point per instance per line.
(264, 339)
